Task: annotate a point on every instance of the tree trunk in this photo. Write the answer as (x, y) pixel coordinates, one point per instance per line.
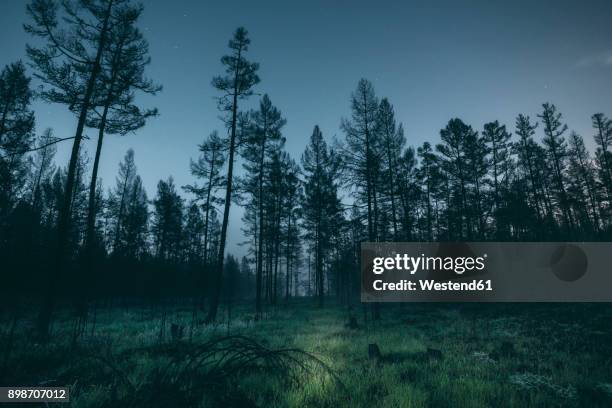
(63, 227)
(214, 299)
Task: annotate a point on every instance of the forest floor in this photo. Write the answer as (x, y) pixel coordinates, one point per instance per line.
(444, 355)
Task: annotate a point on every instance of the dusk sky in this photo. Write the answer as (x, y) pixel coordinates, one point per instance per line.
(434, 60)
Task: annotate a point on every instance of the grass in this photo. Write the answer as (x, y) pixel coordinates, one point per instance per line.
(445, 355)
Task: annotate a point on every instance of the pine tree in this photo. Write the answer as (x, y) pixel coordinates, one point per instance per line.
(135, 221)
(603, 139)
(43, 166)
(291, 191)
(361, 154)
(167, 224)
(392, 143)
(76, 47)
(527, 152)
(556, 147)
(208, 168)
(477, 164)
(114, 111)
(264, 139)
(16, 133)
(429, 177)
(241, 77)
(582, 180)
(497, 139)
(194, 230)
(454, 161)
(119, 199)
(320, 203)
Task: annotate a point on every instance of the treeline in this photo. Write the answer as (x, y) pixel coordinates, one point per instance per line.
(304, 220)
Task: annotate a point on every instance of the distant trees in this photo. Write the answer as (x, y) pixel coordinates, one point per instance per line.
(556, 148)
(208, 169)
(262, 142)
(237, 84)
(290, 202)
(281, 199)
(133, 236)
(582, 191)
(320, 205)
(18, 229)
(43, 166)
(603, 140)
(127, 210)
(475, 186)
(167, 223)
(430, 177)
(454, 161)
(392, 143)
(361, 155)
(530, 168)
(16, 133)
(497, 141)
(119, 198)
(193, 231)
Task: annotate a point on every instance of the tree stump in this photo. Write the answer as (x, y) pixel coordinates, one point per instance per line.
(176, 331)
(434, 353)
(374, 353)
(352, 323)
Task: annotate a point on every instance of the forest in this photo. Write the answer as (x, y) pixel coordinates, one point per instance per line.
(87, 261)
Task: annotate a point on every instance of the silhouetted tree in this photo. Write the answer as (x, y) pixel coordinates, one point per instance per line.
(237, 84)
(497, 139)
(264, 138)
(134, 225)
(114, 112)
(120, 197)
(167, 225)
(43, 166)
(556, 148)
(208, 168)
(71, 51)
(454, 162)
(320, 203)
(393, 141)
(603, 139)
(528, 151)
(429, 176)
(361, 155)
(16, 133)
(582, 185)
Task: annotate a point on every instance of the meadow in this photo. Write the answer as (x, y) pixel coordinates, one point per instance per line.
(443, 355)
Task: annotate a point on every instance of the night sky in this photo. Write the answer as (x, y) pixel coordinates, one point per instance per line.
(477, 60)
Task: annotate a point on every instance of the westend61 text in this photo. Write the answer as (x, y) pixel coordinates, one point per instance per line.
(431, 285)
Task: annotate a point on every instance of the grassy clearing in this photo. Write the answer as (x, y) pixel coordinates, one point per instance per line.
(432, 355)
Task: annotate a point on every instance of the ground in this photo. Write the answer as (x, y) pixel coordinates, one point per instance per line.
(446, 355)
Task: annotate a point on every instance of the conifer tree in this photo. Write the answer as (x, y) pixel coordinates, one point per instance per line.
(237, 84)
(392, 143)
(264, 139)
(497, 139)
(71, 51)
(320, 203)
(556, 148)
(16, 134)
(582, 179)
(603, 140)
(208, 168)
